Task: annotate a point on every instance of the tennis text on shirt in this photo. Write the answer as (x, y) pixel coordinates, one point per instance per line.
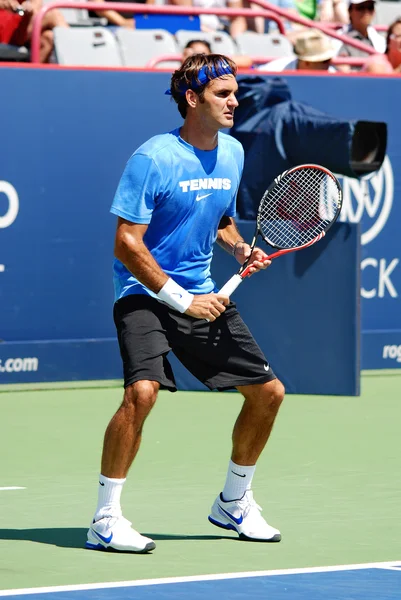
(216, 183)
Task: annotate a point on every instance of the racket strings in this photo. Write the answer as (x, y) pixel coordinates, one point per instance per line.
(299, 207)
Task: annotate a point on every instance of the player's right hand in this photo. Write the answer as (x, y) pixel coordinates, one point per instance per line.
(207, 306)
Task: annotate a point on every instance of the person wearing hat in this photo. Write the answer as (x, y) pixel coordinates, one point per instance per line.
(313, 52)
(361, 14)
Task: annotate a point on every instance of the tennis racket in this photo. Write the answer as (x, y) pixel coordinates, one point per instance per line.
(296, 211)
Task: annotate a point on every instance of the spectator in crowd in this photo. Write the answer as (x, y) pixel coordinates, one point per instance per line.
(333, 11)
(361, 14)
(196, 47)
(234, 26)
(118, 19)
(313, 52)
(203, 47)
(261, 25)
(390, 61)
(16, 22)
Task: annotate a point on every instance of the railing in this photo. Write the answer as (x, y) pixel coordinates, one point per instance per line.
(268, 11)
(132, 8)
(324, 27)
(375, 26)
(352, 61)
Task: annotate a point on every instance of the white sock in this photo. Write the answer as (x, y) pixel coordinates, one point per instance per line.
(239, 479)
(109, 495)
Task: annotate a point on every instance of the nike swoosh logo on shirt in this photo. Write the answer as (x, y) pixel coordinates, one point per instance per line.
(104, 539)
(201, 197)
(230, 516)
(266, 367)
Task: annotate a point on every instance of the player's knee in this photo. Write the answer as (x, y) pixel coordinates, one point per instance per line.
(141, 395)
(275, 393)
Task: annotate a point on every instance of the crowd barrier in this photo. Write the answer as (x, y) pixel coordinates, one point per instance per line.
(266, 10)
(69, 134)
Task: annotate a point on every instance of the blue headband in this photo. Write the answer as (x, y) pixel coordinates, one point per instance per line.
(206, 74)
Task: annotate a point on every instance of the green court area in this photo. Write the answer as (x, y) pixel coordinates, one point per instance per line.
(329, 479)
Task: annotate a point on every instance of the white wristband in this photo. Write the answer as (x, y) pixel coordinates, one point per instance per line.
(175, 296)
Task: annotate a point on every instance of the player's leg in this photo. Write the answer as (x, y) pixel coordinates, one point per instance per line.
(235, 508)
(109, 528)
(223, 355)
(124, 432)
(143, 348)
(255, 421)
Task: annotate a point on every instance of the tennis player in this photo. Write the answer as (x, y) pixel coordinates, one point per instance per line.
(176, 198)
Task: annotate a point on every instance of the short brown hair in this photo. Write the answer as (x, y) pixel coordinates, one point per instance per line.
(187, 76)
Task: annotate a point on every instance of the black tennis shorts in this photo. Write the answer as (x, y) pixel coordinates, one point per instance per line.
(222, 354)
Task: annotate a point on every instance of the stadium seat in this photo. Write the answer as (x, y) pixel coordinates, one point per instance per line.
(86, 46)
(387, 11)
(264, 44)
(221, 42)
(139, 46)
(171, 23)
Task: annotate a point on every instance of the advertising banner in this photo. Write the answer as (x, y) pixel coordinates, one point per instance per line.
(61, 159)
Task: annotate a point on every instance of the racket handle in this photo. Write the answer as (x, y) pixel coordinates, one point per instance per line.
(231, 285)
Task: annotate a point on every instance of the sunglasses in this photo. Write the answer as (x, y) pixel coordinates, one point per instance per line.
(361, 7)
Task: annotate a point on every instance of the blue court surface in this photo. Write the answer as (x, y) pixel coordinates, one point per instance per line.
(349, 582)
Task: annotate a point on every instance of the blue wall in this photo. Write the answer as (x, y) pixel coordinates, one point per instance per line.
(69, 134)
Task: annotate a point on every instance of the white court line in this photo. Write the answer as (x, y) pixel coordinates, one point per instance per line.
(2, 268)
(12, 487)
(193, 578)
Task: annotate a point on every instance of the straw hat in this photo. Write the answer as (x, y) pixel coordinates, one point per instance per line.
(312, 45)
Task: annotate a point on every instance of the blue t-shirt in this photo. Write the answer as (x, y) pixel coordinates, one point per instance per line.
(181, 193)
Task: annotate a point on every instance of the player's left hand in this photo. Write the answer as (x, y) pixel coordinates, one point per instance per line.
(257, 262)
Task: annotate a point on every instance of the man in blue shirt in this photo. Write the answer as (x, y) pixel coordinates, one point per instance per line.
(175, 199)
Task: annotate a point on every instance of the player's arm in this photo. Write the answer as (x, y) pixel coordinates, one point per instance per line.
(131, 250)
(229, 238)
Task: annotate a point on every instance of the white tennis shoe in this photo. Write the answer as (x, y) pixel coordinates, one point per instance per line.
(116, 533)
(243, 516)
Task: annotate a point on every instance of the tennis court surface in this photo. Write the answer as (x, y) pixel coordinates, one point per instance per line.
(329, 479)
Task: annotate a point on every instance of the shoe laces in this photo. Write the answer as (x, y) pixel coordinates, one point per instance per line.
(114, 520)
(250, 507)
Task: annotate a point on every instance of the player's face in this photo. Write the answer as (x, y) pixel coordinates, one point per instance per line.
(219, 103)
